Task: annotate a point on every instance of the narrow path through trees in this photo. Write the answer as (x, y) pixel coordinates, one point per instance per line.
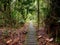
(31, 36)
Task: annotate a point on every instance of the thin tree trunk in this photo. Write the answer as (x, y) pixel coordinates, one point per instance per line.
(56, 32)
(38, 13)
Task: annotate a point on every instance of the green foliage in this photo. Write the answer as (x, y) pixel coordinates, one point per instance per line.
(21, 21)
(17, 11)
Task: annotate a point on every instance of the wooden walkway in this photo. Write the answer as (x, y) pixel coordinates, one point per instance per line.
(31, 36)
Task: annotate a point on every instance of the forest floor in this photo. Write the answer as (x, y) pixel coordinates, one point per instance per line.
(10, 36)
(26, 35)
(44, 38)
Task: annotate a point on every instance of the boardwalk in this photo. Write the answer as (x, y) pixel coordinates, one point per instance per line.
(31, 36)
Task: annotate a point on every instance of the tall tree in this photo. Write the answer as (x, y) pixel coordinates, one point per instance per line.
(38, 13)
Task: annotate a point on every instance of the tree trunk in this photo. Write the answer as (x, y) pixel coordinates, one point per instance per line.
(38, 13)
